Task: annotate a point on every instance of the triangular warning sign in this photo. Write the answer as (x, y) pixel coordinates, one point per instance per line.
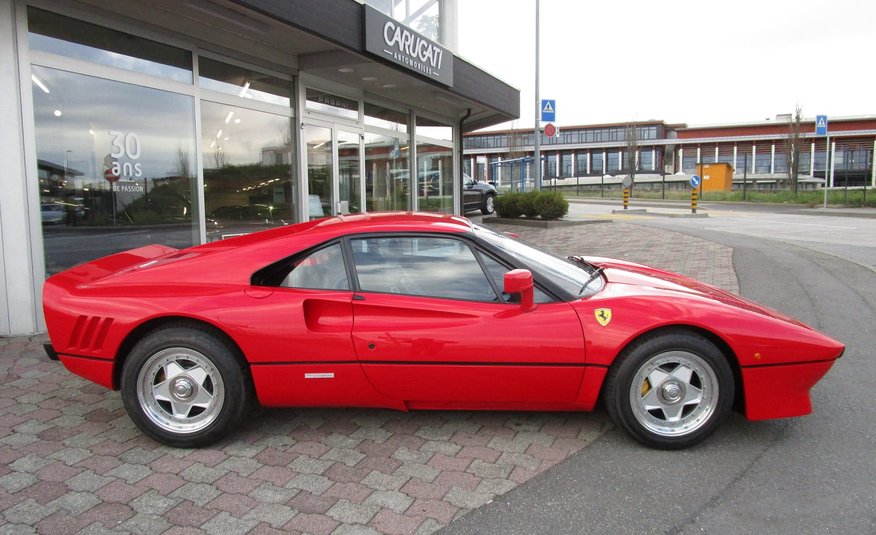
(821, 122)
(548, 108)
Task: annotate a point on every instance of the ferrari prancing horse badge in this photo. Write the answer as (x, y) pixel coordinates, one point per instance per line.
(603, 315)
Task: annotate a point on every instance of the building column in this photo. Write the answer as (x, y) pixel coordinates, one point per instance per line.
(873, 166)
(21, 249)
(832, 162)
(679, 162)
(772, 158)
(753, 157)
(734, 156)
(812, 160)
(604, 161)
(716, 153)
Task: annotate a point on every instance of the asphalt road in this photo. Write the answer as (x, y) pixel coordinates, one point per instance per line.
(815, 474)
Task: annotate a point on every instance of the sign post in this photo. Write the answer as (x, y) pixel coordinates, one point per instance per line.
(821, 130)
(694, 194)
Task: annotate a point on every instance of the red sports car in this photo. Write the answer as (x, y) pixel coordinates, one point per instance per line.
(390, 310)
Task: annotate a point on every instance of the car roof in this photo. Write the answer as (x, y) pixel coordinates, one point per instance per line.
(353, 224)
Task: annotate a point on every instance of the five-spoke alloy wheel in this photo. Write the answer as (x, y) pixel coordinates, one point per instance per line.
(670, 390)
(184, 386)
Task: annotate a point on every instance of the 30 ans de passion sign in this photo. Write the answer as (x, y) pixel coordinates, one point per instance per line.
(395, 42)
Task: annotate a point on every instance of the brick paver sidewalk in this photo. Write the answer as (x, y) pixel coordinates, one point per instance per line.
(72, 461)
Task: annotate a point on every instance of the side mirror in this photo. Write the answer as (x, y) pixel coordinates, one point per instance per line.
(519, 281)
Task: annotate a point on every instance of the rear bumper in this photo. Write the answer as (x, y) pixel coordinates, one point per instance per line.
(50, 351)
(781, 391)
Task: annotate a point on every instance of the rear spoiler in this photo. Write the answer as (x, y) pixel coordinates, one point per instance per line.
(108, 265)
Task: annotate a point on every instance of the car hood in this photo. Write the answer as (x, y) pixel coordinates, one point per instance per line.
(631, 273)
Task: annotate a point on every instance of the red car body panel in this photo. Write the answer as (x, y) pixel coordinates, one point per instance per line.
(346, 348)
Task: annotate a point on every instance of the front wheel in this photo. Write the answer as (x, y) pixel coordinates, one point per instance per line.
(185, 387)
(488, 206)
(670, 390)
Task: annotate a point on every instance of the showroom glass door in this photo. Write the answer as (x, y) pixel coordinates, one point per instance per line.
(334, 171)
(348, 148)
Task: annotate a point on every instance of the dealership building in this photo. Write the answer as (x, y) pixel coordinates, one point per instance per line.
(126, 123)
(758, 152)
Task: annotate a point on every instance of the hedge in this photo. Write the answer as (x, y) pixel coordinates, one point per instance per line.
(543, 204)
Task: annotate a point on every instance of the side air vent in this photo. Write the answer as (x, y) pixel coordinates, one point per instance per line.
(89, 333)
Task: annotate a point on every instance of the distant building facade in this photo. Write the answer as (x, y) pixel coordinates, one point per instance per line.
(758, 152)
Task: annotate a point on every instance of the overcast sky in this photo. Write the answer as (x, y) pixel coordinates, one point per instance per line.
(696, 62)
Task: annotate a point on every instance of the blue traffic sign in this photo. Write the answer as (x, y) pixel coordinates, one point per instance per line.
(548, 110)
(695, 181)
(821, 125)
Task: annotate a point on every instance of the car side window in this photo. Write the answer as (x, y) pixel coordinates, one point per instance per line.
(322, 269)
(422, 266)
(497, 271)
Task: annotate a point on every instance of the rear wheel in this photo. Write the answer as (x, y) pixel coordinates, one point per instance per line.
(488, 206)
(670, 390)
(185, 387)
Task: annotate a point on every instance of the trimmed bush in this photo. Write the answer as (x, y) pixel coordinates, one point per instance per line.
(544, 204)
(507, 205)
(551, 205)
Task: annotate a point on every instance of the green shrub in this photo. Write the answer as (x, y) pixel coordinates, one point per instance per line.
(507, 205)
(551, 204)
(543, 204)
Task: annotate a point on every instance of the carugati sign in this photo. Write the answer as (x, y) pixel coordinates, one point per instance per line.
(395, 42)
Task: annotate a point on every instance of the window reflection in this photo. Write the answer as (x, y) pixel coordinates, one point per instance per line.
(115, 164)
(434, 166)
(73, 38)
(385, 118)
(387, 175)
(244, 83)
(247, 169)
(319, 171)
(348, 172)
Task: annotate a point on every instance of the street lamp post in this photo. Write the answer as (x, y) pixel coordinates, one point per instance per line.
(537, 152)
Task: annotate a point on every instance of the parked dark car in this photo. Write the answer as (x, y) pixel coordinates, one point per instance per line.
(478, 195)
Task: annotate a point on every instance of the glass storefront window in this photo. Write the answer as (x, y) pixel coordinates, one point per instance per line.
(434, 173)
(323, 102)
(348, 172)
(565, 165)
(597, 163)
(244, 83)
(116, 166)
(614, 161)
(646, 160)
(247, 157)
(57, 34)
(581, 164)
(387, 173)
(319, 171)
(385, 118)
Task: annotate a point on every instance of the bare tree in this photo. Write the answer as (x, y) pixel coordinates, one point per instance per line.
(794, 143)
(219, 157)
(183, 163)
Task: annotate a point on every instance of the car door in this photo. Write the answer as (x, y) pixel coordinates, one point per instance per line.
(431, 328)
(471, 196)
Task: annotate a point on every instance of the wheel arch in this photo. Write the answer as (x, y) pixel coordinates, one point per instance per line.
(711, 336)
(149, 326)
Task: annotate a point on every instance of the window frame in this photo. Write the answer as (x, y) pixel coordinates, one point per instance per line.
(472, 248)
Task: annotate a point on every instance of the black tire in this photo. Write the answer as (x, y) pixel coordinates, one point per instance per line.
(693, 396)
(185, 387)
(487, 206)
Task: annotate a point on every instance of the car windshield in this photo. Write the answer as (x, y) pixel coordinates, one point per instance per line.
(574, 277)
